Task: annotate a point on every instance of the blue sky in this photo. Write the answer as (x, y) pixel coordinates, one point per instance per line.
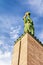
(12, 25)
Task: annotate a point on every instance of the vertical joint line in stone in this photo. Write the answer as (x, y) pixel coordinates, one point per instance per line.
(19, 53)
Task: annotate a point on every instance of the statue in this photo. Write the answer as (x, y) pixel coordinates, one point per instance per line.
(28, 24)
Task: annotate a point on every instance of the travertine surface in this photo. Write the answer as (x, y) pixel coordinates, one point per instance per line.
(23, 54)
(15, 54)
(30, 52)
(34, 52)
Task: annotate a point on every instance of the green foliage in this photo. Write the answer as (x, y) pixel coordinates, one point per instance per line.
(28, 24)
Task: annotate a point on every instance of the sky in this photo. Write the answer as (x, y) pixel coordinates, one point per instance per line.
(12, 25)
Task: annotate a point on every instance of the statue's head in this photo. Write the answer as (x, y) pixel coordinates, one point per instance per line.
(27, 13)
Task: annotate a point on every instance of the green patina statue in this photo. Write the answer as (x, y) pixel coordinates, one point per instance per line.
(28, 24)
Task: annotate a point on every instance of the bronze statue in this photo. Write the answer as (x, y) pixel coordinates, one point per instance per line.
(28, 24)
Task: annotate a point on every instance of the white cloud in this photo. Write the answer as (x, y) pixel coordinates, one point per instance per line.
(4, 63)
(9, 30)
(36, 6)
(7, 26)
(0, 52)
(5, 58)
(5, 55)
(1, 42)
(15, 36)
(40, 36)
(14, 32)
(8, 21)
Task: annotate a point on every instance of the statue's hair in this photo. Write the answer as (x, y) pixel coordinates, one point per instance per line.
(27, 13)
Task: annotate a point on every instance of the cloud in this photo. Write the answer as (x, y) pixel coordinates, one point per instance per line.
(7, 23)
(36, 6)
(10, 27)
(5, 55)
(0, 52)
(4, 63)
(5, 58)
(1, 42)
(40, 36)
(14, 32)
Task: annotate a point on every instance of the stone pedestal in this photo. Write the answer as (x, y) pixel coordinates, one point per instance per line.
(27, 51)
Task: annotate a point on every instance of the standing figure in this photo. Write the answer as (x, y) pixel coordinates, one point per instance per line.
(28, 24)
